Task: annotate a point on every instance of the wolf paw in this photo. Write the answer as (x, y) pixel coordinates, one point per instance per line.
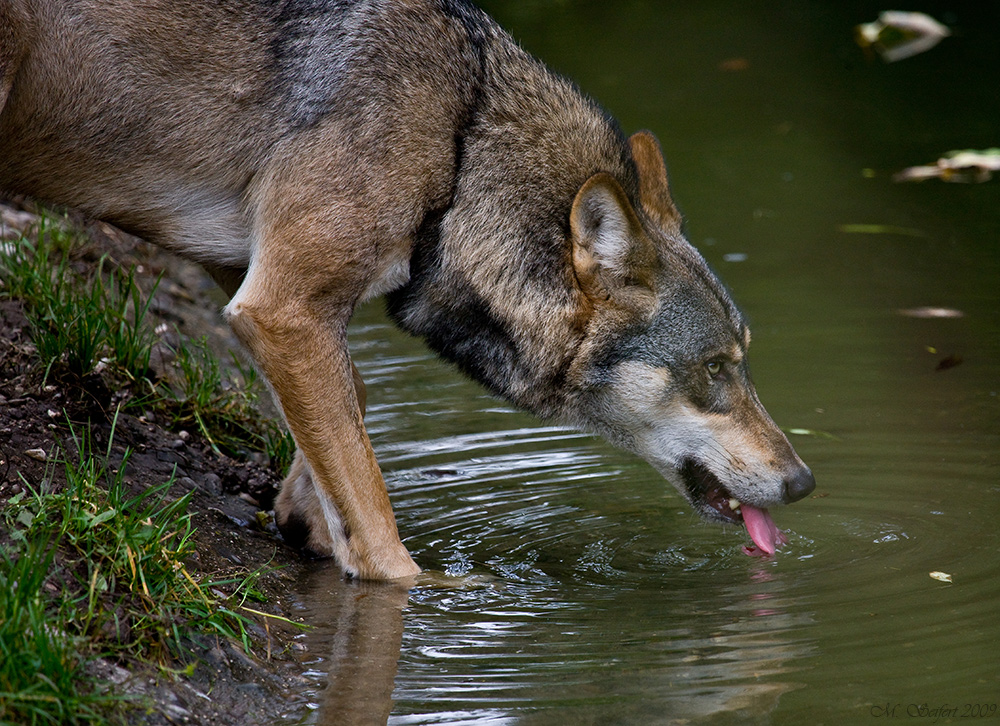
(308, 520)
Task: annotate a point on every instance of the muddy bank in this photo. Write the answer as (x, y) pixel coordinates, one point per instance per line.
(40, 420)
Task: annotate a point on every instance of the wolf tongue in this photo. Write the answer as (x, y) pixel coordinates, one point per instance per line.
(761, 527)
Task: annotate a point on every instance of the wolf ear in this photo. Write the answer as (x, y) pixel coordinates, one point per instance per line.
(654, 192)
(610, 250)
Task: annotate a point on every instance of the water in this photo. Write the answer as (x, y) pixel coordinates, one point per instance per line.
(580, 589)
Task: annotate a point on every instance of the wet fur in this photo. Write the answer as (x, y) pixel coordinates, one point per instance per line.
(315, 154)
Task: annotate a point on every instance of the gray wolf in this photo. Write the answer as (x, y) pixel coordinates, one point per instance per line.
(312, 154)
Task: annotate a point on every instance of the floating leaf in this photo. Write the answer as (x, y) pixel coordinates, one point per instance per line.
(966, 165)
(899, 34)
(931, 312)
(810, 432)
(881, 229)
(941, 576)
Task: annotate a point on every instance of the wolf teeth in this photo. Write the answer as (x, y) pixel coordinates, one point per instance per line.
(734, 504)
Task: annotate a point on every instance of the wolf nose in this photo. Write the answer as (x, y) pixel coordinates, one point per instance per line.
(799, 485)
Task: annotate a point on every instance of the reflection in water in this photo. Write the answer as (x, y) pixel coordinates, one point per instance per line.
(493, 652)
(560, 600)
(359, 629)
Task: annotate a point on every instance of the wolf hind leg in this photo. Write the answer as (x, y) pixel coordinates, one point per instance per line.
(299, 508)
(308, 521)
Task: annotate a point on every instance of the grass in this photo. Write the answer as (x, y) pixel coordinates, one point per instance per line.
(43, 677)
(90, 569)
(96, 323)
(77, 322)
(134, 546)
(224, 412)
(95, 570)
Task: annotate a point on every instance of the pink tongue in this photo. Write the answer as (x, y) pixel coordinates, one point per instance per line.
(762, 530)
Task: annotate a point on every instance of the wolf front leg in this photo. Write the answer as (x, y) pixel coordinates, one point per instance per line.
(336, 490)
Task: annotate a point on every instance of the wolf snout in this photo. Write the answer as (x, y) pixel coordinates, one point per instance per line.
(798, 485)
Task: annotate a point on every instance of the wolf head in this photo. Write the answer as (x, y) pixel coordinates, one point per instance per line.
(609, 321)
(662, 370)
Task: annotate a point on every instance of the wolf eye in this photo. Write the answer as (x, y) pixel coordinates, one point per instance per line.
(714, 368)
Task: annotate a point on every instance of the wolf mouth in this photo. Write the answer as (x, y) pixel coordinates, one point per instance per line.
(714, 501)
(708, 494)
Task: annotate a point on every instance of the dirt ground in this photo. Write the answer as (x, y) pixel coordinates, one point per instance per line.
(227, 686)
